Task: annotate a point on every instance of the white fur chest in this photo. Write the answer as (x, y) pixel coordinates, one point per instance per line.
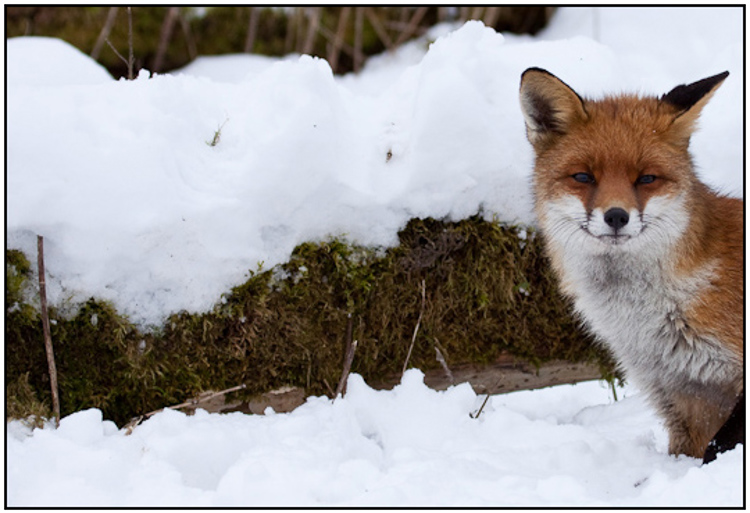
(634, 305)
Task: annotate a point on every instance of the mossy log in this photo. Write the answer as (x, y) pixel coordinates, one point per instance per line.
(489, 296)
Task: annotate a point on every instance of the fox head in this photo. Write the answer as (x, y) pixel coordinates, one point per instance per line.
(612, 174)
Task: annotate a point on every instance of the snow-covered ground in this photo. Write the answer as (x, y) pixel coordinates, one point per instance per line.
(137, 207)
(412, 446)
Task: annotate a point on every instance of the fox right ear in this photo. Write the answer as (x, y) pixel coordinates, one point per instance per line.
(549, 106)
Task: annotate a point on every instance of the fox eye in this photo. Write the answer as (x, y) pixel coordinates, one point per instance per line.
(642, 180)
(583, 178)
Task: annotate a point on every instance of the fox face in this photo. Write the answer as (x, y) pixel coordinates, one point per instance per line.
(614, 174)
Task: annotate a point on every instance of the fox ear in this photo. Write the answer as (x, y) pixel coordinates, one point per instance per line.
(549, 106)
(688, 101)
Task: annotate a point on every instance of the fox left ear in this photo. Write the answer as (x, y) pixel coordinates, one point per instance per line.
(550, 107)
(689, 100)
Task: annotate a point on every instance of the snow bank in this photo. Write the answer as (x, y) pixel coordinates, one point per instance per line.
(137, 208)
(412, 446)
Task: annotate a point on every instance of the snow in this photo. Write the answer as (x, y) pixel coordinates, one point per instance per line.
(410, 446)
(137, 207)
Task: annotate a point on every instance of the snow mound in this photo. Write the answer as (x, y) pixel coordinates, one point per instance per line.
(411, 446)
(46, 61)
(159, 194)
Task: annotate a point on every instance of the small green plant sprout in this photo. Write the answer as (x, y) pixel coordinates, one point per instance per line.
(217, 135)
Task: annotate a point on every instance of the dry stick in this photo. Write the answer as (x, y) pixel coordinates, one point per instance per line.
(416, 330)
(358, 28)
(412, 27)
(351, 346)
(477, 414)
(104, 34)
(330, 390)
(166, 34)
(192, 402)
(131, 59)
(197, 400)
(192, 49)
(47, 333)
(252, 29)
(289, 38)
(337, 40)
(312, 31)
(379, 28)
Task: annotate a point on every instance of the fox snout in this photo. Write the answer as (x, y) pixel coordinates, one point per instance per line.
(616, 218)
(613, 225)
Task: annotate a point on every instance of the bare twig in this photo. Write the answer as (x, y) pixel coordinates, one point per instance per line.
(104, 34)
(331, 393)
(477, 414)
(252, 29)
(411, 28)
(189, 40)
(191, 402)
(47, 333)
(131, 59)
(416, 329)
(351, 346)
(312, 30)
(196, 400)
(358, 28)
(337, 40)
(123, 59)
(290, 24)
(167, 28)
(379, 28)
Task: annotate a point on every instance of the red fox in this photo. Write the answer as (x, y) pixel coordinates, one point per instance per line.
(651, 257)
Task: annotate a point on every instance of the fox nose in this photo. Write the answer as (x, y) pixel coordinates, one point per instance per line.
(616, 218)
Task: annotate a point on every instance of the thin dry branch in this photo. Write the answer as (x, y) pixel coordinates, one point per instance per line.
(189, 40)
(416, 329)
(337, 43)
(351, 346)
(47, 333)
(380, 30)
(189, 403)
(252, 29)
(411, 28)
(312, 30)
(359, 18)
(481, 408)
(164, 37)
(104, 34)
(130, 60)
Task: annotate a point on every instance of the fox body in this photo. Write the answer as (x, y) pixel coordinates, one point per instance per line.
(651, 257)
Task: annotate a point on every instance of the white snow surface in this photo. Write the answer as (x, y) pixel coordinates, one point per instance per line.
(411, 446)
(138, 209)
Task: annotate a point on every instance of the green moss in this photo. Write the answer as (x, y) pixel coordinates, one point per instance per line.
(488, 291)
